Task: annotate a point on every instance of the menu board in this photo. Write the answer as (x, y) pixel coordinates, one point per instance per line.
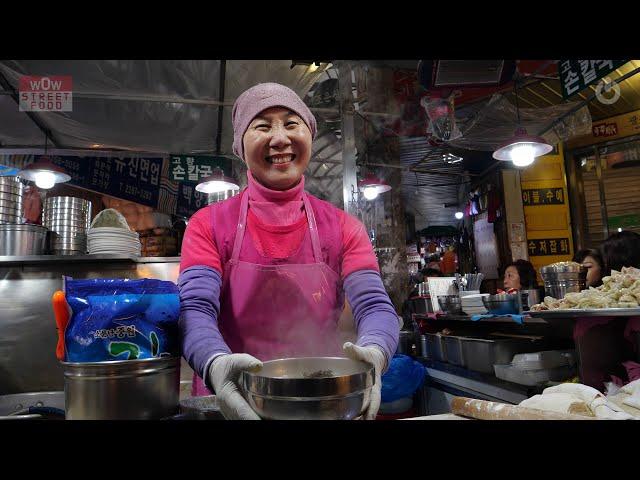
(131, 178)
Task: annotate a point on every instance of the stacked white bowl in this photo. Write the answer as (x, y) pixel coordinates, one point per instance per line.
(110, 234)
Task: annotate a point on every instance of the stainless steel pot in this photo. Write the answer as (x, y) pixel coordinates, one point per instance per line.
(122, 390)
(22, 239)
(311, 388)
(563, 278)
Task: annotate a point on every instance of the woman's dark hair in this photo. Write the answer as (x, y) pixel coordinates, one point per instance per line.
(621, 249)
(581, 255)
(593, 253)
(526, 272)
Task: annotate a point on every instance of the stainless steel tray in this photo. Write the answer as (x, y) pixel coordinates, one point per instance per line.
(584, 312)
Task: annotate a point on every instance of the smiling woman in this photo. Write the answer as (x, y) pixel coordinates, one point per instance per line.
(264, 274)
(277, 148)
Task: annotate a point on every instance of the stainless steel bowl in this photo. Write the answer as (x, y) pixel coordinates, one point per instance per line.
(22, 239)
(503, 304)
(450, 304)
(309, 388)
(122, 390)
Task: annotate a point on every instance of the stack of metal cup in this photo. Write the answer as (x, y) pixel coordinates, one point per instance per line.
(11, 208)
(68, 219)
(562, 278)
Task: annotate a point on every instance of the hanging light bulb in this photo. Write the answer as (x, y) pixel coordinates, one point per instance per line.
(216, 182)
(44, 173)
(372, 186)
(45, 180)
(370, 193)
(522, 149)
(459, 215)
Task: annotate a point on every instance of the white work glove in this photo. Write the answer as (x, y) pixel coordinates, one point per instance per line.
(224, 373)
(376, 357)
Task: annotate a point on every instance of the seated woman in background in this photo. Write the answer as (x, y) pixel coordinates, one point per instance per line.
(592, 261)
(520, 275)
(621, 249)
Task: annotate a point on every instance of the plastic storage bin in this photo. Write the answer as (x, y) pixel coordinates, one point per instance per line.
(531, 378)
(544, 360)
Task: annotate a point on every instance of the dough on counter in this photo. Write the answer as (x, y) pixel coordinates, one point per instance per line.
(559, 402)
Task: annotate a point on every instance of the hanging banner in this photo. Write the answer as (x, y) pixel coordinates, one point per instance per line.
(134, 179)
(576, 75)
(192, 168)
(189, 200)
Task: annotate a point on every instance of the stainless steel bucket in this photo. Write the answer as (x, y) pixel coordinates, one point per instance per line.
(562, 279)
(22, 239)
(122, 390)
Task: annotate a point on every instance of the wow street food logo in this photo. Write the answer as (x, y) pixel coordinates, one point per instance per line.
(45, 94)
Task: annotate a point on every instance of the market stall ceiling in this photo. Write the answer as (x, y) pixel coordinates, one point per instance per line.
(163, 106)
(168, 106)
(547, 91)
(426, 193)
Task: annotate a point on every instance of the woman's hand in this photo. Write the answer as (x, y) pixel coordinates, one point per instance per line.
(224, 373)
(376, 357)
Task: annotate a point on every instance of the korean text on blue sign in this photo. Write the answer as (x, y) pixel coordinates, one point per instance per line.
(576, 75)
(193, 168)
(134, 179)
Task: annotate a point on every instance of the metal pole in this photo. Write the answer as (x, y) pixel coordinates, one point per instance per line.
(349, 175)
(603, 201)
(223, 68)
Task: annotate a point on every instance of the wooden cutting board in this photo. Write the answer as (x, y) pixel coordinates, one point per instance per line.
(484, 410)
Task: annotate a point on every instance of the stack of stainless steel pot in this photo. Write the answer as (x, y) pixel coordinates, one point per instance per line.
(68, 219)
(562, 278)
(11, 208)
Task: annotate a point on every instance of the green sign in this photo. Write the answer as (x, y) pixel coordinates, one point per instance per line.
(576, 75)
(192, 168)
(624, 221)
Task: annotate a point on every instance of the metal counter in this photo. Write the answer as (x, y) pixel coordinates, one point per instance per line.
(28, 334)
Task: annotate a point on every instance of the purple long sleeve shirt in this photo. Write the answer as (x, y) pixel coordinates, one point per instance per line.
(375, 317)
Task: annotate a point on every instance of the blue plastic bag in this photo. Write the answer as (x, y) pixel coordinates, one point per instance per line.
(121, 319)
(402, 379)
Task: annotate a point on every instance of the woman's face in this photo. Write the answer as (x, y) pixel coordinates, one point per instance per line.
(277, 148)
(511, 278)
(593, 270)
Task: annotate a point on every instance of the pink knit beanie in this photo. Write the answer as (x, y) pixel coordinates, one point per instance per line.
(259, 98)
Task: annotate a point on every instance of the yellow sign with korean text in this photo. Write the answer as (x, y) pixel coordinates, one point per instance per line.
(609, 129)
(546, 211)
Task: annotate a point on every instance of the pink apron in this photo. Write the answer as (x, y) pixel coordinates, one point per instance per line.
(278, 308)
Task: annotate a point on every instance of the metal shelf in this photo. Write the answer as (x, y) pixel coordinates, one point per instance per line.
(7, 260)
